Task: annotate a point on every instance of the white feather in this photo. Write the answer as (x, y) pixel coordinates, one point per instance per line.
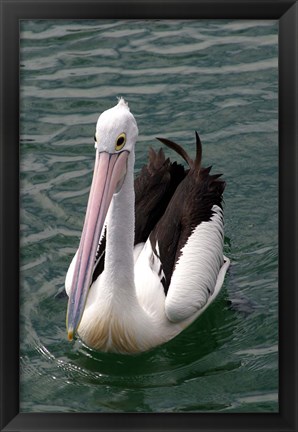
(196, 272)
(149, 289)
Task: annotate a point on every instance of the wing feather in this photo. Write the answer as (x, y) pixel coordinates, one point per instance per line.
(190, 206)
(154, 188)
(196, 271)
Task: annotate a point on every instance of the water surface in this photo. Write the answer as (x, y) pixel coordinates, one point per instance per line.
(218, 77)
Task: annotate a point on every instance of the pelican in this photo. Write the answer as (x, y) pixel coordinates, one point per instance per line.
(150, 258)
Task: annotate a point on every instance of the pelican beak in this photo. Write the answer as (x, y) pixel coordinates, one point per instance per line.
(108, 176)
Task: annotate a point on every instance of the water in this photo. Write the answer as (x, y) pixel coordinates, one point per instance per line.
(219, 77)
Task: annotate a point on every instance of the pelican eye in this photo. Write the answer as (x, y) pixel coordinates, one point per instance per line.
(120, 142)
(95, 137)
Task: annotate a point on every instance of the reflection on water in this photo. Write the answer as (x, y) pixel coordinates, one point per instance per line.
(217, 77)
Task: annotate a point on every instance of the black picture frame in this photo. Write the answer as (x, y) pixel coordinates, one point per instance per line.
(286, 11)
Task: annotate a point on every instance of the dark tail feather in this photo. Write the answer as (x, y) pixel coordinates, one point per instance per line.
(196, 164)
(198, 160)
(215, 176)
(177, 148)
(208, 169)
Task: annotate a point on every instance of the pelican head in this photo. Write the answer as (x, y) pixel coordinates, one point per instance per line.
(116, 130)
(115, 138)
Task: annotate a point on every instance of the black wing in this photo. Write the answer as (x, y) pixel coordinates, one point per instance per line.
(154, 188)
(190, 205)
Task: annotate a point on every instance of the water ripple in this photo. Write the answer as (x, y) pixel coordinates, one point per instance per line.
(247, 42)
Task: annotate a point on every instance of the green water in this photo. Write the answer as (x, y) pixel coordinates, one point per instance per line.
(217, 77)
